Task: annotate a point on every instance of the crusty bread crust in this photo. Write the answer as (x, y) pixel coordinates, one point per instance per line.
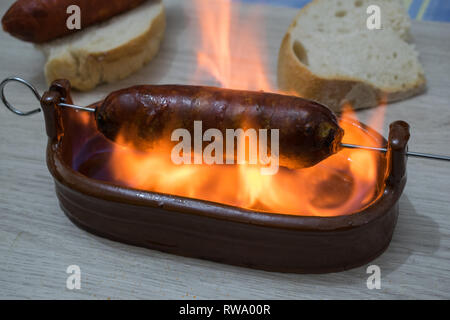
(94, 68)
(296, 78)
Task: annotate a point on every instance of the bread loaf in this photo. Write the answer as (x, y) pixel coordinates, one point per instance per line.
(109, 51)
(331, 56)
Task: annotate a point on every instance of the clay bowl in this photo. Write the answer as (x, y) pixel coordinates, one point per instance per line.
(212, 231)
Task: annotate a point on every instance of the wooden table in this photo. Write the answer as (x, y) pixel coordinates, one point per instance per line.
(38, 242)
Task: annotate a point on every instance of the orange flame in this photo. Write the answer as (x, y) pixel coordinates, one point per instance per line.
(235, 59)
(342, 184)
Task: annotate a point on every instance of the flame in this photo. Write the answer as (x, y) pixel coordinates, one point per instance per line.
(235, 60)
(342, 184)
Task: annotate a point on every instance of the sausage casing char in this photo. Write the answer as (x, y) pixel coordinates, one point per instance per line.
(308, 132)
(40, 21)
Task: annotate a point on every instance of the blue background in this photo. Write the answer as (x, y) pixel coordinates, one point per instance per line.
(430, 10)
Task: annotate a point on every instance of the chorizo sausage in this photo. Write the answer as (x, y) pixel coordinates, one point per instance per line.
(308, 131)
(40, 21)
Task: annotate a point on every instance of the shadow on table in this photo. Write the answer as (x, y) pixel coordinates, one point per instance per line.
(414, 233)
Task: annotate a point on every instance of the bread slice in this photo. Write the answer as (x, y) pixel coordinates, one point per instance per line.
(109, 51)
(329, 55)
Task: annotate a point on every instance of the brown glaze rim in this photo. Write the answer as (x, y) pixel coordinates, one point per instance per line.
(377, 220)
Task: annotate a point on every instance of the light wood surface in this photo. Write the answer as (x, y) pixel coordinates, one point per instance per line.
(38, 243)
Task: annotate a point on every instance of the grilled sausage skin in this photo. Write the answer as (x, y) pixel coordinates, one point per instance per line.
(40, 21)
(308, 132)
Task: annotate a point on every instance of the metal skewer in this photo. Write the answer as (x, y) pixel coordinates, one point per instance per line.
(61, 104)
(408, 153)
(36, 94)
(76, 107)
